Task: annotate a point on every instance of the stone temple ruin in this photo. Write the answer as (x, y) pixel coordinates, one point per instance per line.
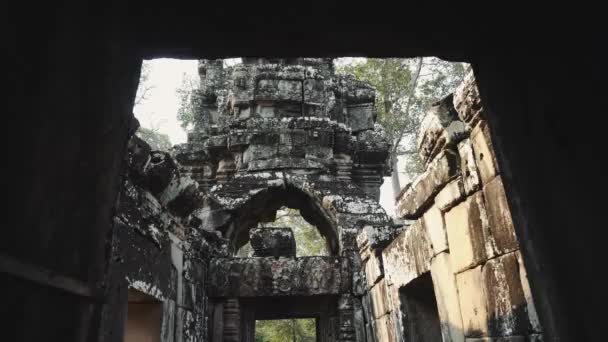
(290, 132)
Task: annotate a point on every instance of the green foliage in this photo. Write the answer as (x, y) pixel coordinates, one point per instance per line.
(308, 239)
(189, 99)
(286, 330)
(157, 141)
(405, 90)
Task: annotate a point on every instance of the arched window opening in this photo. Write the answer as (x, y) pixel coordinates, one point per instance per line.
(309, 241)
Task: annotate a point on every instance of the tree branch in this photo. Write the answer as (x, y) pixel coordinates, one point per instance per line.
(411, 94)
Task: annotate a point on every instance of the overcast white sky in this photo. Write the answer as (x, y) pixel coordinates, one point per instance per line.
(159, 110)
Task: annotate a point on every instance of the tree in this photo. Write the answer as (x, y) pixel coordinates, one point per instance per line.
(144, 88)
(283, 330)
(188, 94)
(157, 141)
(405, 90)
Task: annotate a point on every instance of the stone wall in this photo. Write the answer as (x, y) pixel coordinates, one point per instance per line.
(157, 249)
(270, 133)
(460, 231)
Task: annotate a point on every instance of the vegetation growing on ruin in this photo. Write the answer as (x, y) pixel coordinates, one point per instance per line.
(286, 330)
(406, 87)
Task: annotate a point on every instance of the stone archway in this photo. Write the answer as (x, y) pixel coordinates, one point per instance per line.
(246, 286)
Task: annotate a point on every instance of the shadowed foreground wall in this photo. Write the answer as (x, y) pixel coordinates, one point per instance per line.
(72, 72)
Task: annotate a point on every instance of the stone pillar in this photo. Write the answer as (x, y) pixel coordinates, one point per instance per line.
(232, 320)
(346, 319)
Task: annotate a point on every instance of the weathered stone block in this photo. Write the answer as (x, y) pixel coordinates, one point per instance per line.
(473, 302)
(507, 307)
(181, 196)
(276, 242)
(210, 218)
(373, 269)
(257, 152)
(408, 256)
(446, 294)
(139, 155)
(160, 171)
(484, 152)
(379, 299)
(277, 90)
(252, 277)
(470, 175)
(318, 152)
(168, 321)
(382, 326)
(468, 233)
(525, 285)
(467, 101)
(499, 216)
(361, 116)
(439, 128)
(435, 229)
(314, 91)
(450, 195)
(439, 172)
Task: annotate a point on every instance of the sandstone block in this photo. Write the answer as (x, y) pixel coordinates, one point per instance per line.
(382, 328)
(446, 294)
(379, 299)
(507, 307)
(439, 128)
(473, 302)
(525, 285)
(257, 152)
(467, 230)
(470, 175)
(467, 101)
(373, 269)
(484, 152)
(277, 90)
(435, 229)
(450, 195)
(314, 91)
(273, 242)
(439, 172)
(252, 277)
(499, 216)
(361, 116)
(408, 256)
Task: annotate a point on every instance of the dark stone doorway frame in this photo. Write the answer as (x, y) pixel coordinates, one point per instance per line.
(76, 77)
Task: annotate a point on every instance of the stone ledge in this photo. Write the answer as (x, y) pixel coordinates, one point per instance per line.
(268, 276)
(408, 256)
(440, 171)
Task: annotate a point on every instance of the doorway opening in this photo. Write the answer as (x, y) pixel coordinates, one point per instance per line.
(419, 310)
(144, 316)
(286, 330)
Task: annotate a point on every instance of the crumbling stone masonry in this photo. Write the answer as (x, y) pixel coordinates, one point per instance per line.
(460, 244)
(274, 133)
(268, 133)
